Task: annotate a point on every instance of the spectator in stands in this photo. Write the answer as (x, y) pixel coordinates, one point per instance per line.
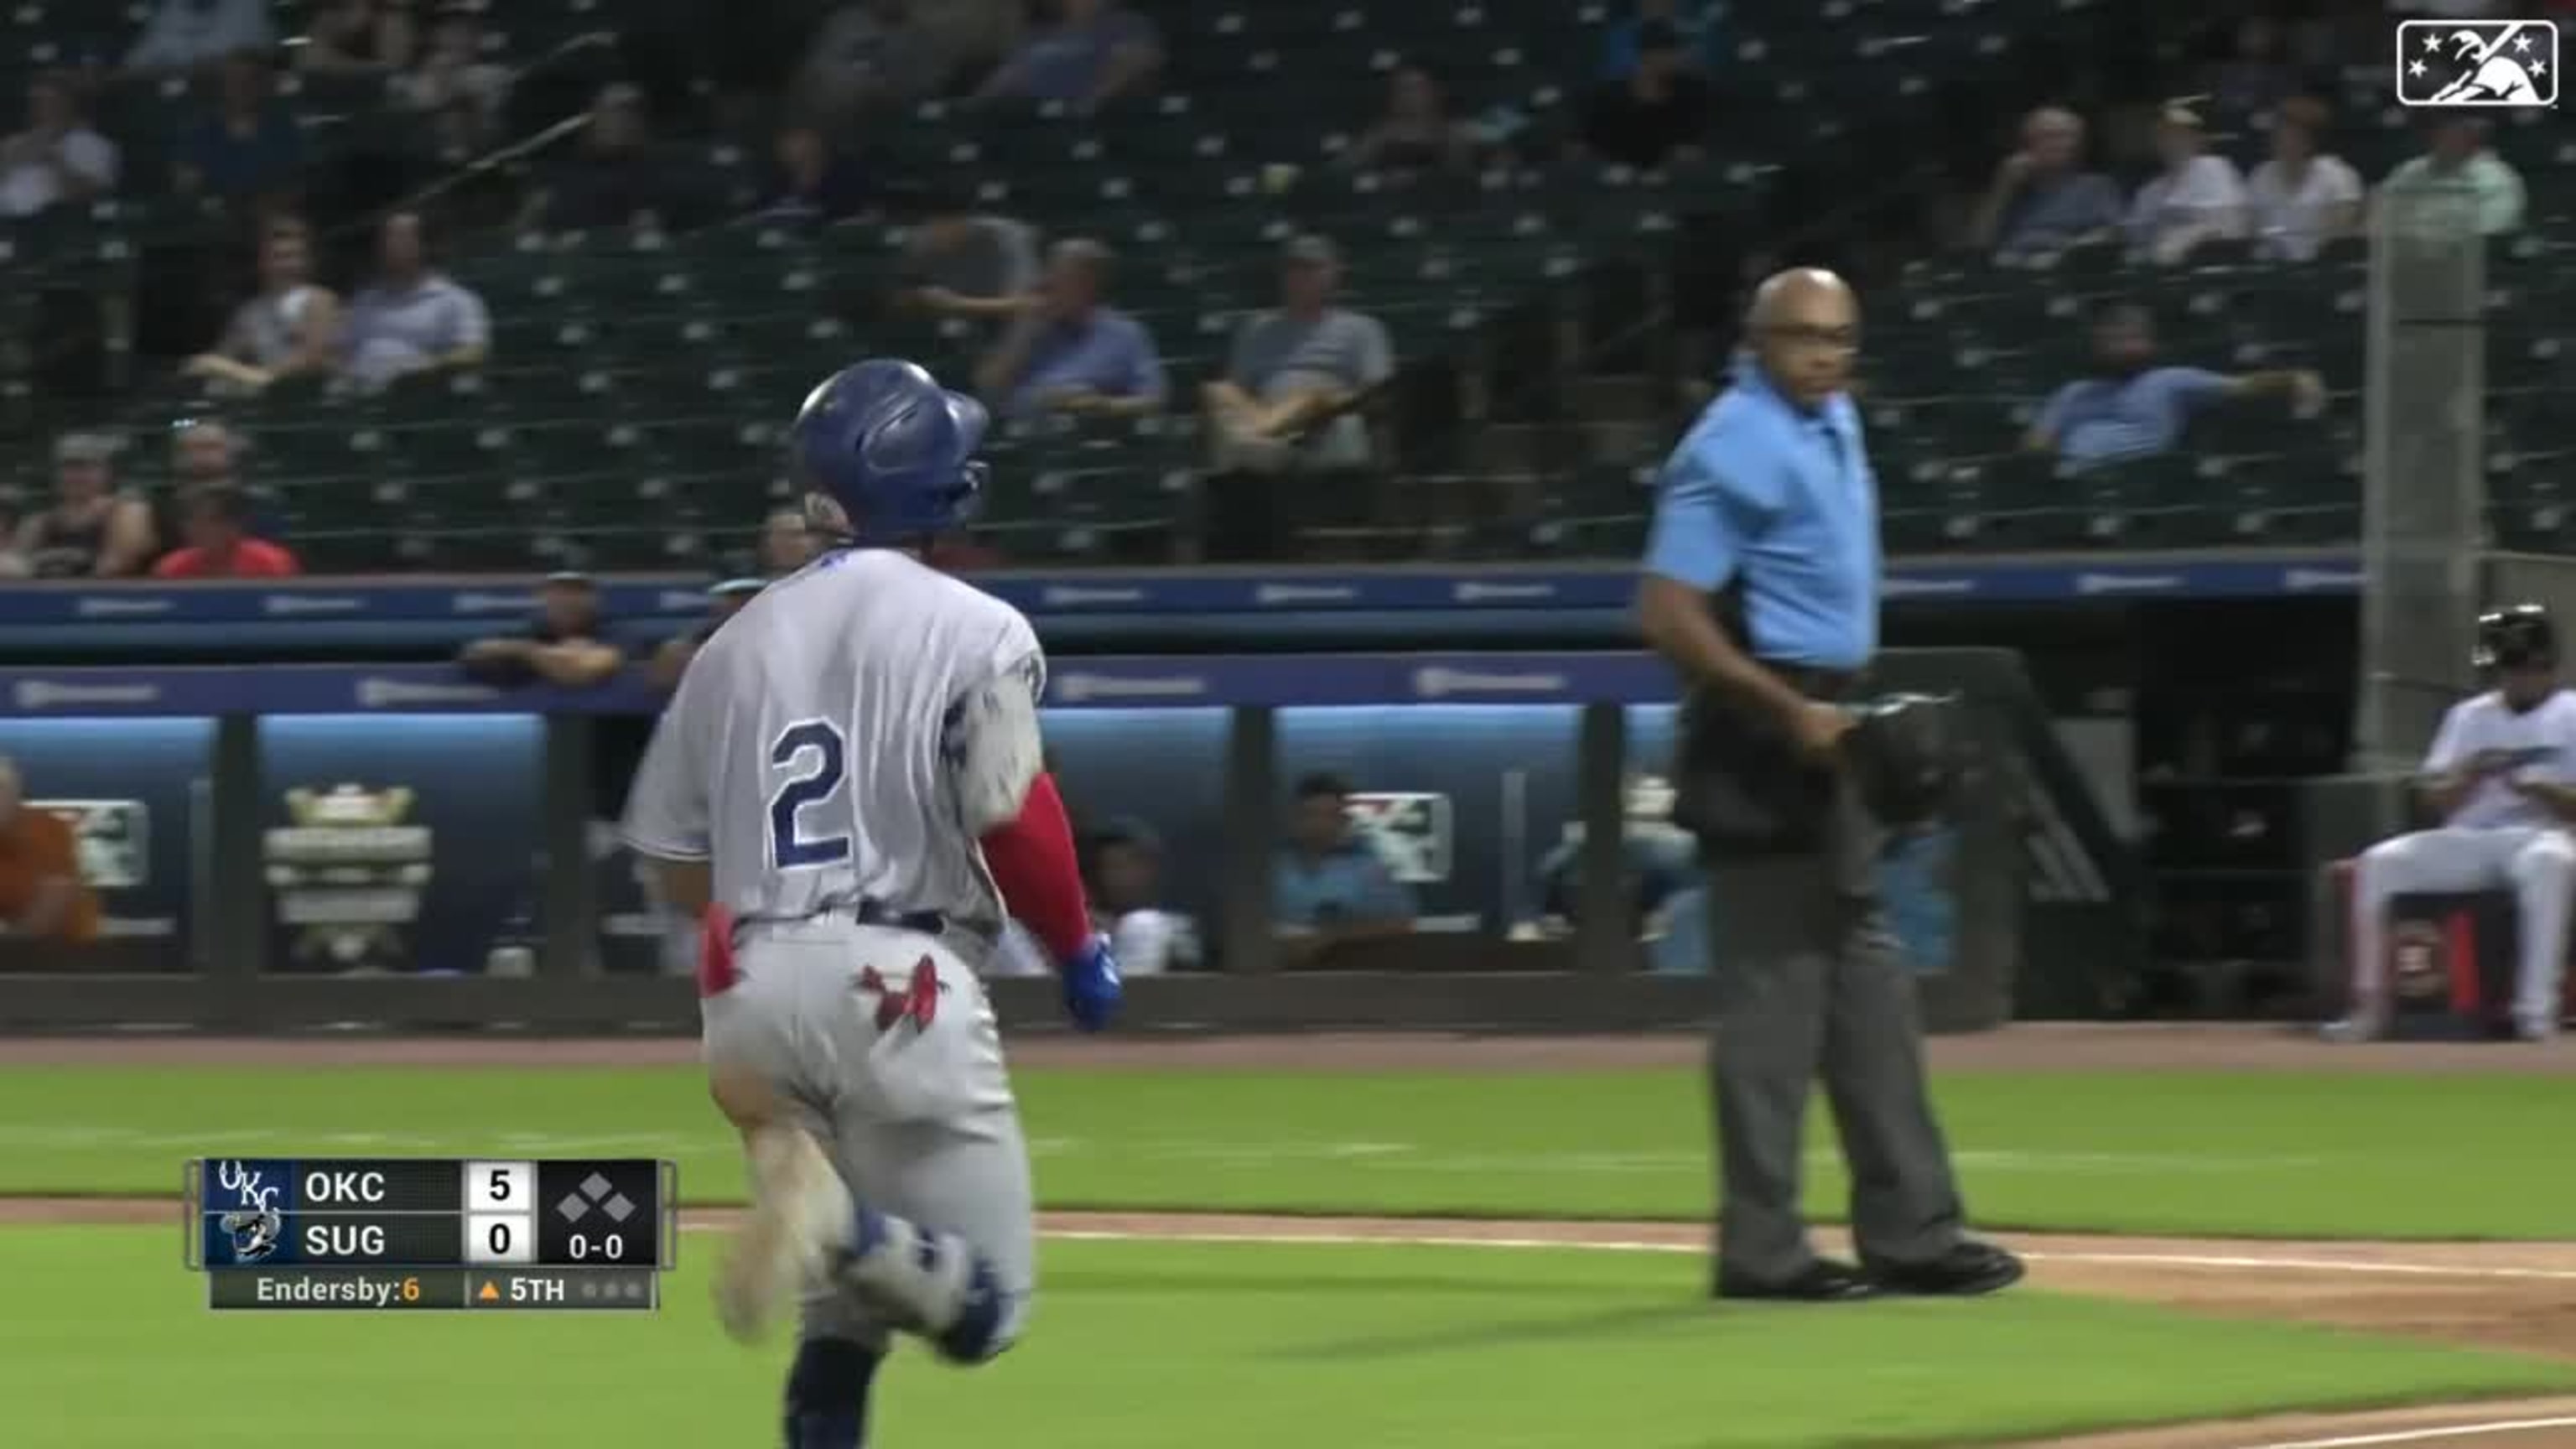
(2133, 408)
(2256, 74)
(723, 602)
(2458, 187)
(1095, 52)
(1696, 23)
(867, 56)
(973, 265)
(219, 543)
(353, 37)
(616, 179)
(2300, 199)
(202, 453)
(2197, 197)
(1415, 136)
(788, 542)
(1123, 872)
(1329, 886)
(451, 69)
(478, 198)
(813, 183)
(1660, 113)
(249, 149)
(1069, 351)
(42, 893)
(412, 317)
(186, 34)
(92, 531)
(562, 647)
(2041, 201)
(58, 157)
(1293, 369)
(290, 328)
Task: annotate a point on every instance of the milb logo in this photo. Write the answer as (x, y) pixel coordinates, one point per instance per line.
(2487, 63)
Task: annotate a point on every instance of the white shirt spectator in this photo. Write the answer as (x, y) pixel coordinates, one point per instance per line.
(396, 331)
(29, 180)
(265, 328)
(2206, 199)
(2485, 723)
(2481, 195)
(186, 33)
(2292, 217)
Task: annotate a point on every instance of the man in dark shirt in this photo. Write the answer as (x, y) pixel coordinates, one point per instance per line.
(616, 178)
(723, 602)
(1658, 114)
(563, 646)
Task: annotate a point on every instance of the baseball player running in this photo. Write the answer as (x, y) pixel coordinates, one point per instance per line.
(2502, 775)
(847, 789)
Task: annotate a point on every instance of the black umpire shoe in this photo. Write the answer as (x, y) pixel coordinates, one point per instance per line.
(1969, 1268)
(1822, 1281)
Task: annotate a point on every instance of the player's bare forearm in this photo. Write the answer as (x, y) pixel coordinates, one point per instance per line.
(575, 666)
(52, 903)
(1678, 626)
(671, 661)
(2444, 795)
(688, 885)
(2559, 800)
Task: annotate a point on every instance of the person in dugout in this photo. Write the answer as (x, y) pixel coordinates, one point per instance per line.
(2501, 777)
(42, 895)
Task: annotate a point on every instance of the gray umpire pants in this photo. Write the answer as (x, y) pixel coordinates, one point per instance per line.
(1810, 983)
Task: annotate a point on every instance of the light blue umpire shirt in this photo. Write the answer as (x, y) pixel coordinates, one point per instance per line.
(1779, 499)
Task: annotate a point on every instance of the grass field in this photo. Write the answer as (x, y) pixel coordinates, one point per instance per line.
(1140, 1344)
(2435, 1156)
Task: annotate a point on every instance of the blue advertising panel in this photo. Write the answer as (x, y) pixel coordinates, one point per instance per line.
(1461, 803)
(131, 790)
(402, 842)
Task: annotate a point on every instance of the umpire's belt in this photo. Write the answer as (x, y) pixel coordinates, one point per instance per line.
(1741, 784)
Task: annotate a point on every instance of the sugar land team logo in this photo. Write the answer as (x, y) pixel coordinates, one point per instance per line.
(254, 1233)
(2415, 961)
(2477, 63)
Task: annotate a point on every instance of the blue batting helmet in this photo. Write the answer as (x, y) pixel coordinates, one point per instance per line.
(892, 447)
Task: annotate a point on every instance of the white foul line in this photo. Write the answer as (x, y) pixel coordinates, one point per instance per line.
(2418, 1436)
(1598, 1245)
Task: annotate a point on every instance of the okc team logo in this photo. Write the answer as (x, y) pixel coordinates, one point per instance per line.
(2477, 63)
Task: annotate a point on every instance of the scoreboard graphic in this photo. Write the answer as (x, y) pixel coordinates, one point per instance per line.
(429, 1233)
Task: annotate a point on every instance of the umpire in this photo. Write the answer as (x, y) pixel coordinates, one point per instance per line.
(1761, 588)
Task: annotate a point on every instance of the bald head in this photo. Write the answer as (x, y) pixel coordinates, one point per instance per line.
(1797, 290)
(1804, 325)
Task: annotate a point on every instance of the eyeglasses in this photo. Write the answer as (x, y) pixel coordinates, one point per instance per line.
(1794, 334)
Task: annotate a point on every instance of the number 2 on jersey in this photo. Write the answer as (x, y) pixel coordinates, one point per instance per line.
(816, 760)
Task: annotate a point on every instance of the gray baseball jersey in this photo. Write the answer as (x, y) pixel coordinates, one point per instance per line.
(811, 752)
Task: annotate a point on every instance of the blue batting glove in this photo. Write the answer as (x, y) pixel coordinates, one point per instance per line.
(1092, 989)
